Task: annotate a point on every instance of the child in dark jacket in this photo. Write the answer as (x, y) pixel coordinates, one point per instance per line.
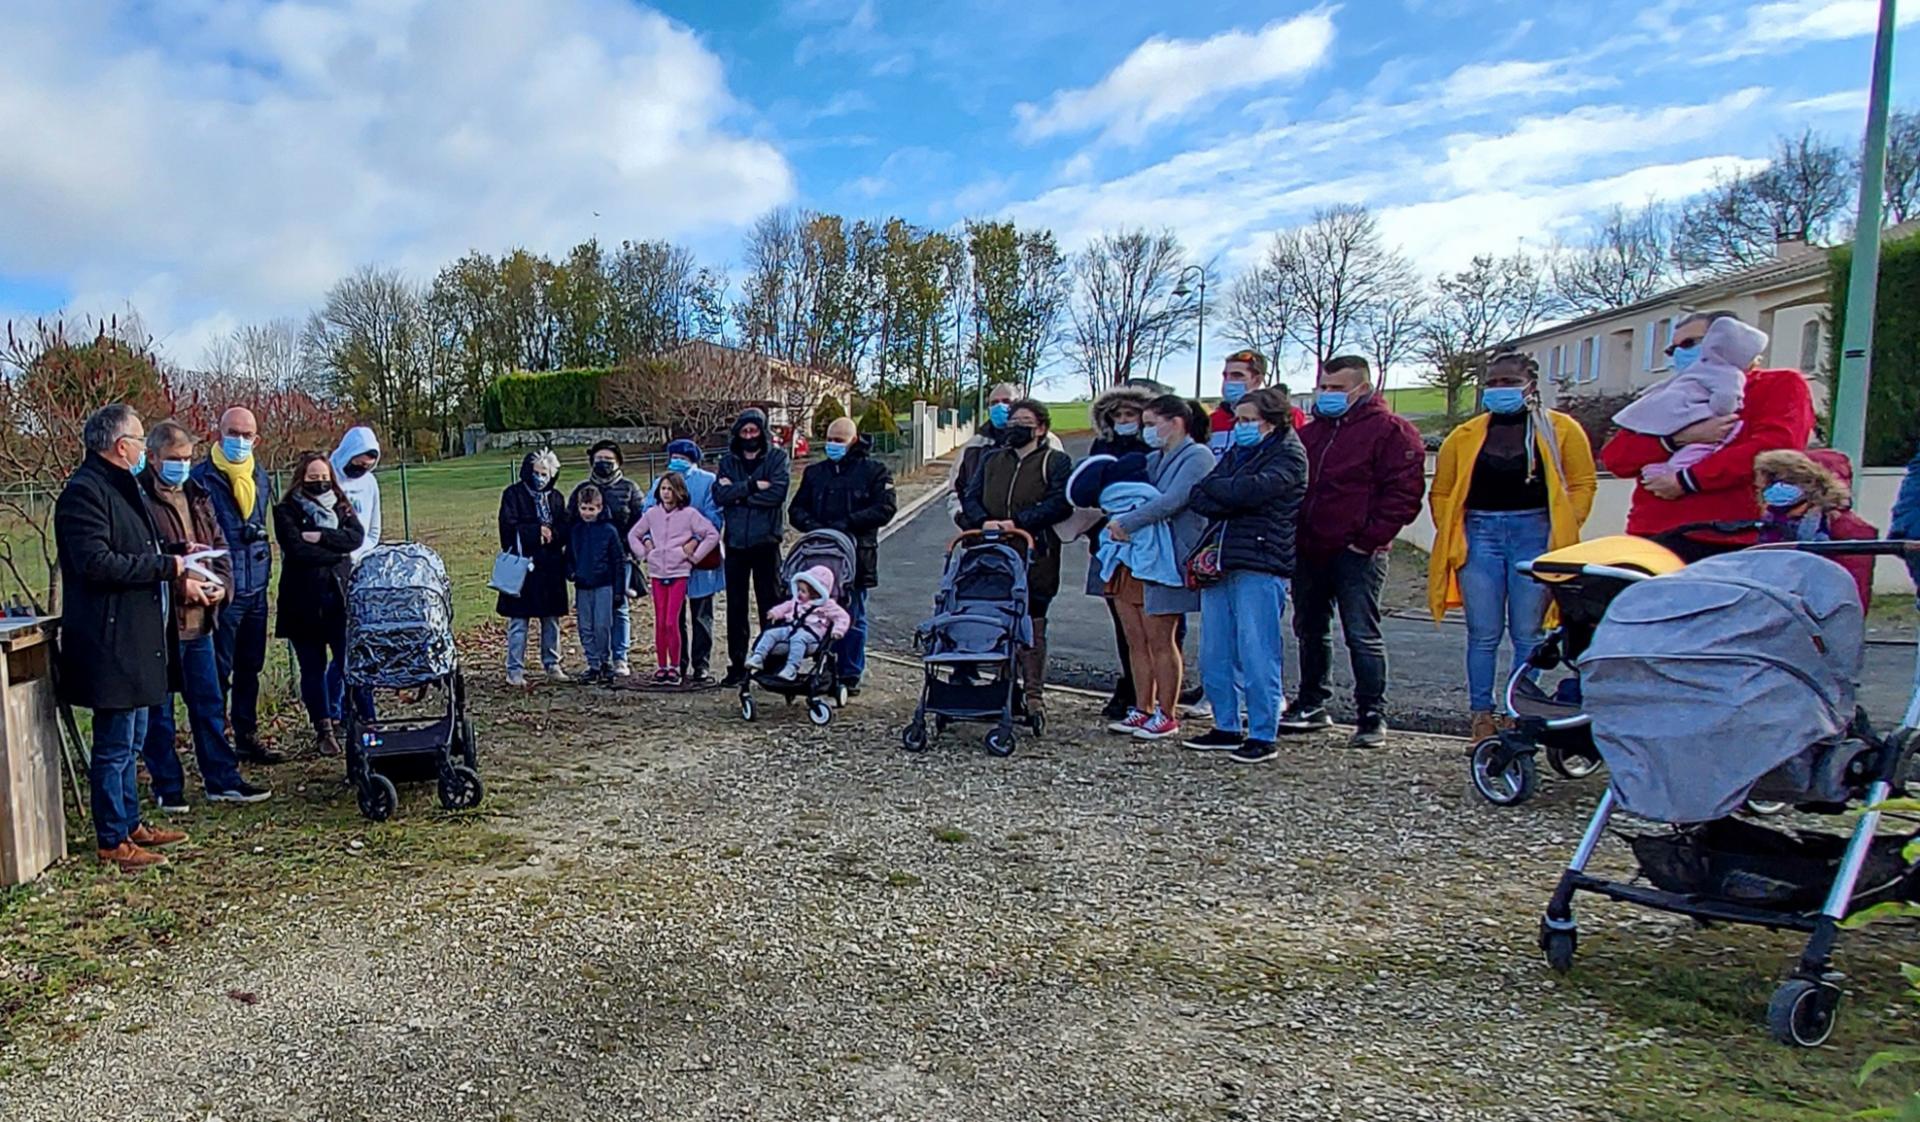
(596, 562)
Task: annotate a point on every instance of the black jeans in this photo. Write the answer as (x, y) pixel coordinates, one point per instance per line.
(696, 635)
(761, 565)
(1350, 582)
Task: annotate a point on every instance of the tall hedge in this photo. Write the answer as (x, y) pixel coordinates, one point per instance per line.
(490, 408)
(557, 399)
(1893, 401)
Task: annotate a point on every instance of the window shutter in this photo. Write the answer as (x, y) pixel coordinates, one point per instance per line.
(1646, 345)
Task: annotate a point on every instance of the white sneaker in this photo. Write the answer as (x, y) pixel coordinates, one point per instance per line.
(1200, 709)
(622, 670)
(172, 806)
(555, 674)
(755, 661)
(517, 679)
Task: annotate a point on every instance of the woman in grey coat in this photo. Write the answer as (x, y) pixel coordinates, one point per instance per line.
(1150, 613)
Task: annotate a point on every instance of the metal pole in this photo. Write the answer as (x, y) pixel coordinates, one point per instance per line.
(1200, 334)
(1852, 380)
(406, 506)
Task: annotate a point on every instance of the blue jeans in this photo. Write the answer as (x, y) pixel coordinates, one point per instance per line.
(337, 689)
(112, 778)
(622, 615)
(852, 647)
(517, 645)
(1498, 598)
(200, 686)
(1241, 651)
(240, 650)
(599, 626)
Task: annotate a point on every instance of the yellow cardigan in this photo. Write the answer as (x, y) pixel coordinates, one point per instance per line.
(1569, 500)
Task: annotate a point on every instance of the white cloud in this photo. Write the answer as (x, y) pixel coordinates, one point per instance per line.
(1843, 101)
(1164, 78)
(1800, 21)
(241, 157)
(1479, 82)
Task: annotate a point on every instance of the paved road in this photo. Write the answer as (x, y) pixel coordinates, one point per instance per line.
(1428, 686)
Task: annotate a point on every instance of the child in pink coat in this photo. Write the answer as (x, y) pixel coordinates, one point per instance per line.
(669, 539)
(804, 622)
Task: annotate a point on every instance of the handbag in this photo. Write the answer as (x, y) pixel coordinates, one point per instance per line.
(712, 560)
(1203, 565)
(510, 571)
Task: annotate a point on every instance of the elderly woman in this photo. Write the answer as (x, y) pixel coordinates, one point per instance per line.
(1509, 485)
(533, 523)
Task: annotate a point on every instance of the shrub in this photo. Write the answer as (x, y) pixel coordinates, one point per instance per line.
(559, 399)
(1595, 413)
(827, 412)
(1893, 407)
(878, 420)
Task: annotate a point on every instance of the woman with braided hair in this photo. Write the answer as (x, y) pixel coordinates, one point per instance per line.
(1510, 484)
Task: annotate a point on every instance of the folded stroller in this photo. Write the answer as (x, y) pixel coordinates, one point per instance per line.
(400, 642)
(819, 683)
(970, 646)
(1728, 681)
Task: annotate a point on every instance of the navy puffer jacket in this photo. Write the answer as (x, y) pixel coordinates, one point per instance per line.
(1256, 492)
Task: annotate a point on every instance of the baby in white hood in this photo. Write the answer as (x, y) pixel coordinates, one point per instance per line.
(1710, 386)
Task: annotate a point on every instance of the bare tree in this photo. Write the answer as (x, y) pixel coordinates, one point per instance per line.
(691, 392)
(1390, 328)
(369, 344)
(1626, 258)
(1258, 308)
(1339, 270)
(1473, 312)
(778, 295)
(1125, 316)
(1020, 288)
(268, 354)
(1903, 166)
(1801, 195)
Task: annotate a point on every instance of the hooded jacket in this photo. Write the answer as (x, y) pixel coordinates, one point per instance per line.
(1107, 442)
(661, 536)
(621, 499)
(701, 583)
(1827, 477)
(1366, 477)
(544, 596)
(1255, 495)
(754, 515)
(364, 492)
(822, 615)
(855, 497)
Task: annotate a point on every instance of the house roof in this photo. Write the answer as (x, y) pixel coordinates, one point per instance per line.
(1804, 264)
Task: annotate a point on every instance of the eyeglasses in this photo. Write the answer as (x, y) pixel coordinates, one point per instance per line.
(1681, 345)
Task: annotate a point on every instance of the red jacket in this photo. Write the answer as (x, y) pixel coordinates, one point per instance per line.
(1777, 414)
(1366, 475)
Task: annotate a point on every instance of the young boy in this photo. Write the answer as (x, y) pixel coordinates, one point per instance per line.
(596, 561)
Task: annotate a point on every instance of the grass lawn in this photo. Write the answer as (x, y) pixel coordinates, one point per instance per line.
(1071, 416)
(1417, 401)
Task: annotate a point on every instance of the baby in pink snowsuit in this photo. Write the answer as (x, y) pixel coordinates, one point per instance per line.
(1709, 386)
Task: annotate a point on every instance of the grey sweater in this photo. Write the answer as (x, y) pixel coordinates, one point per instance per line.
(1175, 471)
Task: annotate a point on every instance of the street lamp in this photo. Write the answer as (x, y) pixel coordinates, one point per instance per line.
(1856, 342)
(1181, 291)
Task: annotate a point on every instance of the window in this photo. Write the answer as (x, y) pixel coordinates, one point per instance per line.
(1588, 365)
(1553, 364)
(1810, 347)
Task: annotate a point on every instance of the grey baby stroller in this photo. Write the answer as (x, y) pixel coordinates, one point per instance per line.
(400, 643)
(1733, 680)
(970, 646)
(819, 682)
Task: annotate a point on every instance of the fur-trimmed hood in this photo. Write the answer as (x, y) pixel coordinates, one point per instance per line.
(1123, 394)
(1824, 489)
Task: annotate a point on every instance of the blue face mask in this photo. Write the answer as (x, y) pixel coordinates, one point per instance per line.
(998, 413)
(1246, 433)
(680, 464)
(1504, 399)
(836, 449)
(1782, 495)
(1685, 357)
(1331, 403)
(1232, 392)
(174, 472)
(1126, 428)
(1151, 434)
(236, 449)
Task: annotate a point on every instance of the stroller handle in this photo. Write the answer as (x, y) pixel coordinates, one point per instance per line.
(1861, 548)
(1581, 569)
(990, 535)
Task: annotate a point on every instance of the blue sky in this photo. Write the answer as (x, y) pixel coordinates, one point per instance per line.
(219, 161)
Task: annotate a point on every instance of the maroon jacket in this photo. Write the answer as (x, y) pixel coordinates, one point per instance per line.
(1366, 473)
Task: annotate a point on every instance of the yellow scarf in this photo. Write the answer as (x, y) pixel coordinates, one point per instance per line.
(240, 478)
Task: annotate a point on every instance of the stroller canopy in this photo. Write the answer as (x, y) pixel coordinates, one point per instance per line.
(830, 549)
(399, 618)
(1703, 681)
(980, 611)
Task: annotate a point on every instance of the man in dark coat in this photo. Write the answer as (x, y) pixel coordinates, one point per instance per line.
(1366, 472)
(622, 501)
(183, 514)
(533, 523)
(116, 650)
(751, 488)
(230, 473)
(851, 492)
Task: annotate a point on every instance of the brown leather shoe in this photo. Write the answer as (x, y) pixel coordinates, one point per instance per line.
(1484, 727)
(131, 858)
(145, 835)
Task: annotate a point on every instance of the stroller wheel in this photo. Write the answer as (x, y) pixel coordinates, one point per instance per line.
(819, 711)
(1802, 1012)
(378, 799)
(1000, 742)
(465, 746)
(1571, 764)
(460, 788)
(1508, 784)
(914, 737)
(1559, 947)
(747, 707)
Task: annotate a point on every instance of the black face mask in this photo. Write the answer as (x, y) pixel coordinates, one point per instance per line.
(1019, 436)
(316, 487)
(355, 471)
(605, 469)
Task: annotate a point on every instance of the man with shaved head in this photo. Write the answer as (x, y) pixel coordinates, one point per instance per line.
(851, 492)
(242, 495)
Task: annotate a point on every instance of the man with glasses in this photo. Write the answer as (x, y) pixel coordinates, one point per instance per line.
(1776, 413)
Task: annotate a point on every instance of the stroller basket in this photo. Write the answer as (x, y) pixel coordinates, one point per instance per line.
(1745, 863)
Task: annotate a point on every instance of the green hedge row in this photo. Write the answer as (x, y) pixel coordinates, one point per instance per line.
(1893, 401)
(558, 399)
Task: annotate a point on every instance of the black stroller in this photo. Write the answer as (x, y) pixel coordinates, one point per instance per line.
(820, 683)
(1728, 682)
(400, 641)
(971, 645)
